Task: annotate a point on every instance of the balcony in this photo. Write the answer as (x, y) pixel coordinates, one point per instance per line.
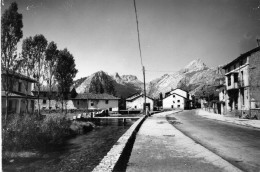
(232, 86)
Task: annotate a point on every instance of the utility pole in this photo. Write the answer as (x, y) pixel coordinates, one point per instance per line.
(144, 109)
(140, 51)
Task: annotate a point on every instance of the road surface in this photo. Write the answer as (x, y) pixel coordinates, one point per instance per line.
(237, 144)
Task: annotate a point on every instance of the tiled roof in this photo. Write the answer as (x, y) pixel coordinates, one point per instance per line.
(243, 55)
(18, 75)
(91, 96)
(17, 95)
(174, 94)
(46, 88)
(135, 96)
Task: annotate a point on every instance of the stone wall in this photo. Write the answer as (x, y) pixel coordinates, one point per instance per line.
(254, 73)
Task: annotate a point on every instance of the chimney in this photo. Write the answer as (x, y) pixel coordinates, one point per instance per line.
(258, 42)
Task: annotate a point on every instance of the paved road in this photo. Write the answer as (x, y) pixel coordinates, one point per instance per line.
(161, 147)
(236, 144)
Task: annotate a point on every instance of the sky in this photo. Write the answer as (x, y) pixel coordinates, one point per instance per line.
(102, 34)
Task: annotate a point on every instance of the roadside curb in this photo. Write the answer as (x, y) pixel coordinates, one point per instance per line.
(240, 123)
(109, 162)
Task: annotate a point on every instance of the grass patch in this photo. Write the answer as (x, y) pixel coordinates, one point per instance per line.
(29, 133)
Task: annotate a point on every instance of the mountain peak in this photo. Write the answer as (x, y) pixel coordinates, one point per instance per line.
(195, 65)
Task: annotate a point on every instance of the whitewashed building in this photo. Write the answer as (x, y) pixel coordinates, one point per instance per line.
(136, 101)
(94, 101)
(174, 101)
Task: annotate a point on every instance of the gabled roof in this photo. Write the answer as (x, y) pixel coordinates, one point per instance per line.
(178, 89)
(137, 95)
(174, 94)
(242, 56)
(91, 96)
(17, 75)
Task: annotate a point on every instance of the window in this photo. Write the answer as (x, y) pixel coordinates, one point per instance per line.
(235, 77)
(172, 106)
(179, 106)
(19, 86)
(91, 104)
(173, 96)
(78, 102)
(178, 101)
(44, 101)
(135, 107)
(243, 96)
(110, 109)
(229, 80)
(173, 101)
(106, 101)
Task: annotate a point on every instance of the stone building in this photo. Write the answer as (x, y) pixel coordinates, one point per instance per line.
(136, 101)
(50, 100)
(20, 87)
(94, 101)
(242, 78)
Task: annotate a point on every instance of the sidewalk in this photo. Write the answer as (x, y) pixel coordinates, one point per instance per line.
(244, 122)
(161, 147)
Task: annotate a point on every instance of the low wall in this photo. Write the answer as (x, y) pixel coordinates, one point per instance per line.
(109, 162)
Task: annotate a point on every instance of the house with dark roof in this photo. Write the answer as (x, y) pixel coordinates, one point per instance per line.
(94, 101)
(242, 78)
(136, 101)
(50, 100)
(19, 92)
(175, 101)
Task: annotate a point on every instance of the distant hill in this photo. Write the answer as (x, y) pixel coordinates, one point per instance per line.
(193, 77)
(124, 85)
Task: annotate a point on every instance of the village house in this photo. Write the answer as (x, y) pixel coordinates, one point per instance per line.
(50, 100)
(176, 99)
(20, 87)
(47, 99)
(94, 101)
(136, 101)
(242, 77)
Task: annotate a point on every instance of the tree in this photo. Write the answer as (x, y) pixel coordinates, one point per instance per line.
(51, 61)
(11, 33)
(27, 61)
(64, 73)
(33, 52)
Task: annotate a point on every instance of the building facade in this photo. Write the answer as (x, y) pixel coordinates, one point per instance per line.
(242, 78)
(174, 101)
(94, 101)
(17, 89)
(50, 100)
(136, 101)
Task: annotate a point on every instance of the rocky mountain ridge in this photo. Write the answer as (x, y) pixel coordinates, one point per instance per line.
(124, 85)
(192, 77)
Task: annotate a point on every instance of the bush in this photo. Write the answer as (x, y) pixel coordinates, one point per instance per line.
(25, 132)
